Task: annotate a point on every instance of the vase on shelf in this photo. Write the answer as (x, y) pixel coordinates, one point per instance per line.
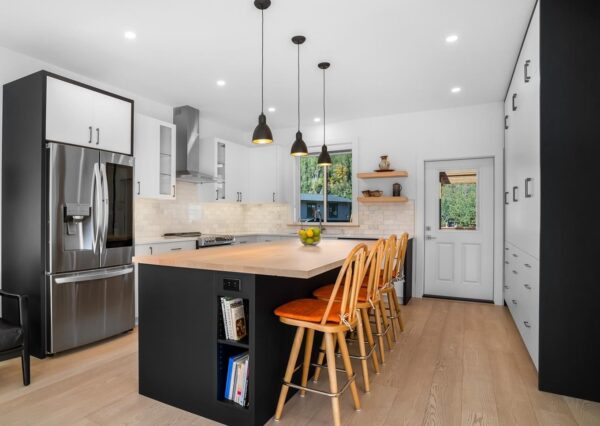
(396, 189)
(384, 163)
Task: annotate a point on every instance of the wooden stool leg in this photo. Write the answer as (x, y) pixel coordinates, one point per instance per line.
(363, 352)
(398, 310)
(367, 325)
(333, 387)
(386, 321)
(289, 371)
(379, 329)
(348, 368)
(320, 360)
(392, 313)
(308, 344)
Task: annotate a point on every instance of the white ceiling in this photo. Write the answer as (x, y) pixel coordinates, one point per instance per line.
(388, 56)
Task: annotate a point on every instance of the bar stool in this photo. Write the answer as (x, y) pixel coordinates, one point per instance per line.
(332, 319)
(368, 297)
(389, 290)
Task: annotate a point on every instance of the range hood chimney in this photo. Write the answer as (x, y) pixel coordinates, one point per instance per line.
(187, 120)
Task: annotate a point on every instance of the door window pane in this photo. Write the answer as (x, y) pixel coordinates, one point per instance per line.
(339, 187)
(458, 200)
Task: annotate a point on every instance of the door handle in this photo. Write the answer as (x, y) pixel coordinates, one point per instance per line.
(106, 203)
(430, 237)
(528, 193)
(515, 194)
(506, 122)
(98, 211)
(139, 187)
(97, 136)
(90, 141)
(93, 276)
(526, 70)
(514, 105)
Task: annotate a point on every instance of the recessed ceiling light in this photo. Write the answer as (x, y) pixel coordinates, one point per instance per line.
(451, 38)
(456, 90)
(316, 119)
(130, 35)
(272, 109)
(221, 83)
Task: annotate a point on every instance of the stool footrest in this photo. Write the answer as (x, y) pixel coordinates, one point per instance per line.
(352, 356)
(319, 391)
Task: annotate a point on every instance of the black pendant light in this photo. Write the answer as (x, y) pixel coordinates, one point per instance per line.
(262, 134)
(299, 148)
(324, 157)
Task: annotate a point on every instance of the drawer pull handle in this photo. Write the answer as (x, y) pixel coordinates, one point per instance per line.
(506, 287)
(527, 286)
(515, 255)
(506, 122)
(527, 265)
(506, 261)
(514, 302)
(506, 248)
(514, 104)
(528, 193)
(176, 248)
(527, 324)
(514, 272)
(526, 71)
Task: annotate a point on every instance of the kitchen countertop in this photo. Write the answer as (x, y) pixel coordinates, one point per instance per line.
(285, 258)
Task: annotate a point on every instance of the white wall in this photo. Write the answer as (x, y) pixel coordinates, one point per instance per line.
(410, 140)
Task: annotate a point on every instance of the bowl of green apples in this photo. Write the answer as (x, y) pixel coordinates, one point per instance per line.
(310, 236)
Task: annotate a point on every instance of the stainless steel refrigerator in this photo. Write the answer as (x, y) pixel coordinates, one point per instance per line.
(90, 278)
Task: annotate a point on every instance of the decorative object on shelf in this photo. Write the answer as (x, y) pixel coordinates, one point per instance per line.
(366, 193)
(376, 193)
(324, 157)
(396, 189)
(384, 164)
(262, 133)
(310, 236)
(299, 148)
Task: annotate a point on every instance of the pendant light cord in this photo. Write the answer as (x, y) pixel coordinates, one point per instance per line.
(324, 121)
(298, 87)
(262, 62)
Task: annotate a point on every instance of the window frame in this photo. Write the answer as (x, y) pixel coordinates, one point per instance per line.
(333, 147)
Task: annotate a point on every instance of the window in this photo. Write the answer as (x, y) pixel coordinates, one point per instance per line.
(458, 200)
(326, 189)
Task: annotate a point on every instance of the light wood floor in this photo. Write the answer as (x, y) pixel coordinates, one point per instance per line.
(456, 364)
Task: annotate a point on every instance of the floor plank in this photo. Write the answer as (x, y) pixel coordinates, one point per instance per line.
(457, 363)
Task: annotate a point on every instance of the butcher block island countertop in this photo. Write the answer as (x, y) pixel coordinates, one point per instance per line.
(286, 258)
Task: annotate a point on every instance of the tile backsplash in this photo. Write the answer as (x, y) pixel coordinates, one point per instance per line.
(187, 213)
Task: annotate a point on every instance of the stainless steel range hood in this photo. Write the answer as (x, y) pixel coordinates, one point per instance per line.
(187, 120)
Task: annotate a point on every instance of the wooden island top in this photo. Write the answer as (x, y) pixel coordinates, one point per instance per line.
(286, 258)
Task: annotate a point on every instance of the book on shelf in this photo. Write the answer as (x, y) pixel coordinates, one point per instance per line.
(234, 318)
(236, 385)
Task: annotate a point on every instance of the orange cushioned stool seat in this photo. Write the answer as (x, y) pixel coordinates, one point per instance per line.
(324, 293)
(310, 310)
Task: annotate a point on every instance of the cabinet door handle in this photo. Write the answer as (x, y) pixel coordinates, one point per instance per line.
(506, 197)
(527, 324)
(217, 196)
(273, 197)
(515, 272)
(90, 141)
(241, 196)
(139, 187)
(506, 261)
(514, 105)
(506, 287)
(151, 250)
(173, 191)
(515, 255)
(527, 265)
(514, 302)
(528, 193)
(176, 248)
(526, 70)
(506, 122)
(97, 136)
(527, 286)
(515, 193)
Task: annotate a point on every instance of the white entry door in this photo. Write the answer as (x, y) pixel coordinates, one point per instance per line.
(459, 229)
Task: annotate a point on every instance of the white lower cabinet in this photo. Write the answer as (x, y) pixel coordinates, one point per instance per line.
(157, 248)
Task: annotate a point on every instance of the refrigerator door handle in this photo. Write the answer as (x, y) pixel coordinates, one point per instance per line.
(97, 212)
(91, 276)
(106, 206)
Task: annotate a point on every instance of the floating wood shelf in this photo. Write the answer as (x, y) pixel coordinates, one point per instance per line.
(380, 175)
(382, 199)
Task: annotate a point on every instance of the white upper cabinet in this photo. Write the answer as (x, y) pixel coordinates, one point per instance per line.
(154, 158)
(80, 116)
(263, 175)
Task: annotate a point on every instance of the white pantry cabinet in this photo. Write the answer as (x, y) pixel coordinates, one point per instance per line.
(80, 116)
(155, 157)
(522, 192)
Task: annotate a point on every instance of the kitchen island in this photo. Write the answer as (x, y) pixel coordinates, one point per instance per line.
(183, 352)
